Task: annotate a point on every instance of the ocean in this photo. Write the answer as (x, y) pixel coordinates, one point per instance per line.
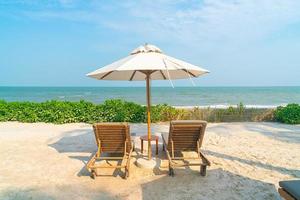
(178, 96)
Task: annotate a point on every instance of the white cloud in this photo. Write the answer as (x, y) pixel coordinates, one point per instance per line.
(192, 21)
(217, 19)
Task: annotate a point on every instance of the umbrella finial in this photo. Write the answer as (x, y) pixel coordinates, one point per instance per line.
(146, 48)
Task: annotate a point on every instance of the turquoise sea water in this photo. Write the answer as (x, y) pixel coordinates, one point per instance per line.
(179, 96)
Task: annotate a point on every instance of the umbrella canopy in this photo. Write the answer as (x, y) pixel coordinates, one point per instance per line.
(147, 62)
(147, 58)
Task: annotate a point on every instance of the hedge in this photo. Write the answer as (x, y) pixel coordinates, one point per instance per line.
(117, 110)
(68, 112)
(289, 114)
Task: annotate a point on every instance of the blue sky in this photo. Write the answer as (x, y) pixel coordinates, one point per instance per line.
(242, 42)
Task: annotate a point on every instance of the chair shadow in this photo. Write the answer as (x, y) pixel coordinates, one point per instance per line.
(218, 184)
(80, 141)
(282, 132)
(220, 129)
(37, 193)
(83, 141)
(292, 172)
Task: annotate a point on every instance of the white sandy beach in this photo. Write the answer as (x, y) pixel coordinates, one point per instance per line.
(46, 161)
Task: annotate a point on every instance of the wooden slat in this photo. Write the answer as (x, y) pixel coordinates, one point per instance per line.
(109, 158)
(111, 140)
(112, 136)
(103, 166)
(176, 145)
(185, 136)
(184, 143)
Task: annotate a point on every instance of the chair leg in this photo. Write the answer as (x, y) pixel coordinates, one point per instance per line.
(171, 171)
(142, 146)
(156, 149)
(203, 170)
(126, 173)
(93, 174)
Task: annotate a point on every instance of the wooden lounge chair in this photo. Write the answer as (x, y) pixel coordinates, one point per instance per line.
(112, 138)
(289, 190)
(185, 136)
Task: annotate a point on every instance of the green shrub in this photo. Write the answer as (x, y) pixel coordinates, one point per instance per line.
(164, 112)
(289, 114)
(68, 112)
(117, 110)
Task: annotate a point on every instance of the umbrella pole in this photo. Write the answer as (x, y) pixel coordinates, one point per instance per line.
(148, 114)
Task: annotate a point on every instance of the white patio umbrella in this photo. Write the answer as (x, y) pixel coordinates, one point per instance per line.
(147, 62)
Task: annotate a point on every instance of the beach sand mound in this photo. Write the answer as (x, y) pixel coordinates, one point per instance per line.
(46, 161)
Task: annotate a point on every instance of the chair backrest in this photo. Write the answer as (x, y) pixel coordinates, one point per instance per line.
(185, 134)
(112, 137)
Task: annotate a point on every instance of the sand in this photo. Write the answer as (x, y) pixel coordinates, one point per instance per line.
(46, 161)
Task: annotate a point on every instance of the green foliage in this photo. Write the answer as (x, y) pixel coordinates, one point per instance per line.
(49, 111)
(117, 110)
(164, 112)
(289, 114)
(70, 112)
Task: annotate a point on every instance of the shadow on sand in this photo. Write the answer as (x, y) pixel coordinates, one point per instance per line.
(187, 183)
(59, 192)
(282, 170)
(218, 184)
(77, 141)
(82, 141)
(282, 132)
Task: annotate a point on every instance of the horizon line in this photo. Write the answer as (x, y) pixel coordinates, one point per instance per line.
(155, 86)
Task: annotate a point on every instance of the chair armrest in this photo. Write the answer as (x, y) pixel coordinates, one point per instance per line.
(166, 149)
(204, 159)
(163, 139)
